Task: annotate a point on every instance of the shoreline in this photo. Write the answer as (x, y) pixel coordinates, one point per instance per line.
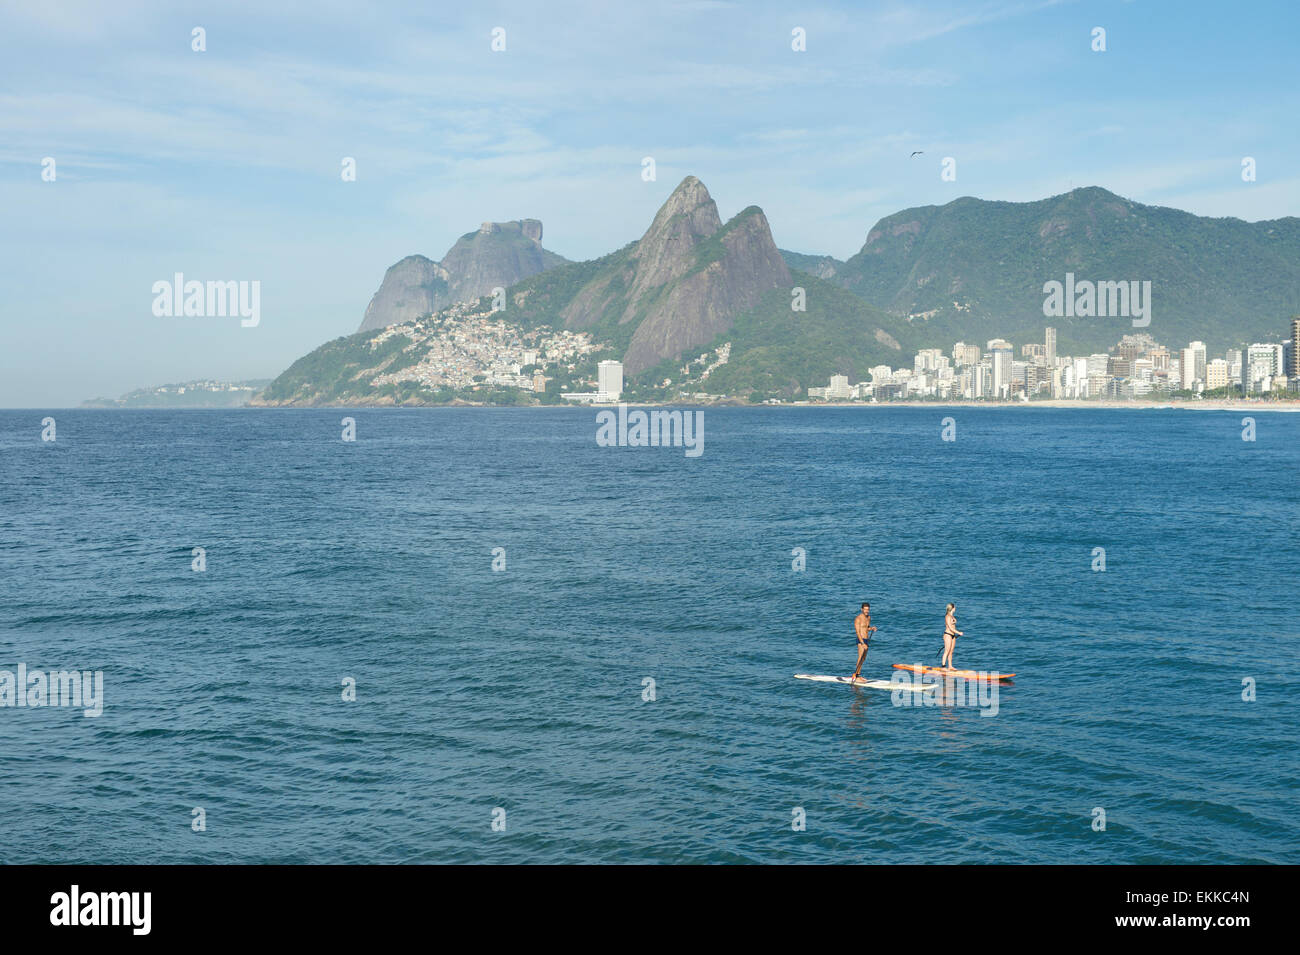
(1213, 404)
(1216, 404)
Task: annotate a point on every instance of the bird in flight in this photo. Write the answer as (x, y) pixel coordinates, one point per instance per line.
(916, 153)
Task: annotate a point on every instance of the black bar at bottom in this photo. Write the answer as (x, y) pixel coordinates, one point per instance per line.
(374, 903)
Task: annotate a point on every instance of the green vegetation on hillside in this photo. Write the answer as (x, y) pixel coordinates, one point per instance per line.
(329, 373)
(811, 264)
(547, 295)
(780, 352)
(980, 267)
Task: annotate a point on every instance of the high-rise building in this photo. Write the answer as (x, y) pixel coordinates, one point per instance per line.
(1216, 374)
(1035, 376)
(1126, 351)
(610, 377)
(1233, 357)
(928, 359)
(1268, 355)
(1058, 381)
(1186, 368)
(1051, 348)
(1192, 366)
(1174, 376)
(963, 354)
(1261, 364)
(1293, 368)
(1079, 378)
(1001, 360)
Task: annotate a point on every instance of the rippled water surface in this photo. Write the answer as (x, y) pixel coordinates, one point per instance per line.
(523, 689)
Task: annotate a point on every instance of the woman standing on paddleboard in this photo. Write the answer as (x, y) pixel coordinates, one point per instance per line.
(950, 635)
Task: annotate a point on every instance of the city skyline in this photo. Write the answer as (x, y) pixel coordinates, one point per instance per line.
(1136, 367)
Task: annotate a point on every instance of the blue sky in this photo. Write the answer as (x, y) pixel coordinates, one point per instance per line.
(225, 164)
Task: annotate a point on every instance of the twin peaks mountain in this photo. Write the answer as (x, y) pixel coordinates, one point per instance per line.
(683, 282)
(926, 277)
(499, 254)
(693, 284)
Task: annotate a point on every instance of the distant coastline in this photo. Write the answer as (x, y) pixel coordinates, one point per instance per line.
(199, 393)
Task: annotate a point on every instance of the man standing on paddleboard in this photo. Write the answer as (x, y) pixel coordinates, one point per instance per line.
(862, 626)
(950, 635)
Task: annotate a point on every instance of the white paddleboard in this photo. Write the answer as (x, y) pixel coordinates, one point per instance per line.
(869, 684)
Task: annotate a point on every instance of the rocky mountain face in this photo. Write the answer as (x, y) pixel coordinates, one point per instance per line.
(683, 282)
(975, 269)
(413, 287)
(499, 254)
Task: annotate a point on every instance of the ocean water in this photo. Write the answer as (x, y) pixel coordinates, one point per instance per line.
(522, 689)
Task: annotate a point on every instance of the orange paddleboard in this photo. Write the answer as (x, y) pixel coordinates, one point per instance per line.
(955, 674)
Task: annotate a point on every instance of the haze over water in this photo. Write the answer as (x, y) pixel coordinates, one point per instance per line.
(522, 689)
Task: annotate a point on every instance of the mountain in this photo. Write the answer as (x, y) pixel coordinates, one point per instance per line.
(499, 254)
(975, 270)
(679, 286)
(697, 302)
